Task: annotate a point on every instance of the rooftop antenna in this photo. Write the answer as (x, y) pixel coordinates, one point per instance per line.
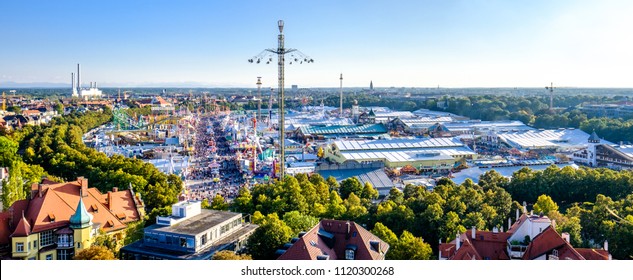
(267, 56)
(551, 96)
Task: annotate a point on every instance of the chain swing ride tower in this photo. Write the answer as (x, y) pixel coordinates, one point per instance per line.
(267, 57)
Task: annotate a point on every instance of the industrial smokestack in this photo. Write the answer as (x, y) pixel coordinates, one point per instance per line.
(95, 84)
(78, 79)
(72, 80)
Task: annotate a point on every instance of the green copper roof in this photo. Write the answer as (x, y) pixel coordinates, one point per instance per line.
(81, 218)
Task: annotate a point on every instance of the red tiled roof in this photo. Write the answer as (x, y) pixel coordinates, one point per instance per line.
(593, 254)
(31, 112)
(486, 245)
(23, 228)
(466, 251)
(548, 240)
(57, 202)
(311, 244)
(124, 204)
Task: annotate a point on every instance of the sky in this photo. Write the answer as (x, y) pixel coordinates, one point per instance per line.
(446, 43)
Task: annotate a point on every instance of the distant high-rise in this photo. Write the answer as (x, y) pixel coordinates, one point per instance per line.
(371, 85)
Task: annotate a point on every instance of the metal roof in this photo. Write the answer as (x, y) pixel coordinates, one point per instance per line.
(407, 155)
(376, 177)
(563, 138)
(344, 129)
(397, 144)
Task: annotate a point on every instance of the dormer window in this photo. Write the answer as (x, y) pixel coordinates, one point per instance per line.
(350, 252)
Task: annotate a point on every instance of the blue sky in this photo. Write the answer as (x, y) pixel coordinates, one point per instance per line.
(394, 43)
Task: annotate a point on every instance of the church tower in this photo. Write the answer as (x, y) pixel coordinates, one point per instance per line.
(371, 85)
(81, 224)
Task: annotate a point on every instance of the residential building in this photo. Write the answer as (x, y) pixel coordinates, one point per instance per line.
(335, 240)
(531, 237)
(190, 233)
(60, 219)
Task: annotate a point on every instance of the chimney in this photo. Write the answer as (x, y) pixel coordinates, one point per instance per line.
(565, 236)
(457, 242)
(84, 186)
(110, 200)
(72, 80)
(115, 189)
(509, 223)
(501, 230)
(517, 218)
(473, 231)
(495, 230)
(78, 79)
(606, 247)
(554, 224)
(524, 207)
(531, 212)
(39, 190)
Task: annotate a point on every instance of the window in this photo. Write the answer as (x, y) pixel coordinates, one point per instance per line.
(63, 255)
(49, 257)
(78, 244)
(65, 240)
(203, 239)
(349, 254)
(46, 238)
(35, 244)
(29, 247)
(183, 242)
(19, 247)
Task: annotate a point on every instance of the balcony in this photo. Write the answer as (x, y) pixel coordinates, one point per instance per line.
(516, 250)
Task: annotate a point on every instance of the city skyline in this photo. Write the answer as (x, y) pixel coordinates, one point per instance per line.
(411, 44)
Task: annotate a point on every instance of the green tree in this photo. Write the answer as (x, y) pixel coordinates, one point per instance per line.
(299, 222)
(545, 204)
(385, 234)
(268, 237)
(13, 188)
(95, 253)
(218, 203)
(8, 151)
(205, 204)
(350, 185)
(230, 255)
(409, 247)
(243, 203)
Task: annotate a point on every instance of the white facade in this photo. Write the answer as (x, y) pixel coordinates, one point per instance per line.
(90, 93)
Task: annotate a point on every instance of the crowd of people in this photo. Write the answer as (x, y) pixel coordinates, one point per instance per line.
(214, 169)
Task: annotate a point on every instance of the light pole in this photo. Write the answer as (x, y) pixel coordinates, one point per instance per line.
(295, 56)
(341, 98)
